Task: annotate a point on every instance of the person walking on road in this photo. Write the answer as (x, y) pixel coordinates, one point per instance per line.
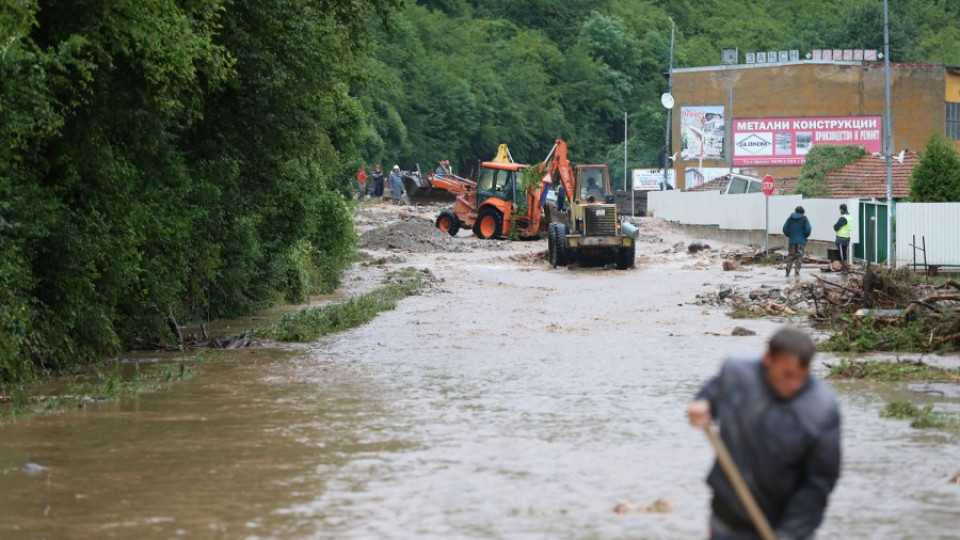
(797, 229)
(843, 227)
(396, 184)
(376, 187)
(781, 425)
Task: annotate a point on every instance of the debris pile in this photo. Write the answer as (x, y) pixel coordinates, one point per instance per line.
(762, 301)
(757, 256)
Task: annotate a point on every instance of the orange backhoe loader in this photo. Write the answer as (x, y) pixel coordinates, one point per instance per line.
(499, 203)
(437, 187)
(590, 228)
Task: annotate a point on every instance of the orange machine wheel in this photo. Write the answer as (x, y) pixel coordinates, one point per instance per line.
(448, 222)
(489, 223)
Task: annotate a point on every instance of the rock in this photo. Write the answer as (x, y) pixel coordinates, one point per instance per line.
(678, 247)
(32, 468)
(729, 266)
(756, 295)
(724, 292)
(741, 331)
(773, 294)
(697, 246)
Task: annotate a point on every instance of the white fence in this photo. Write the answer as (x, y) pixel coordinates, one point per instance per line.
(937, 223)
(745, 212)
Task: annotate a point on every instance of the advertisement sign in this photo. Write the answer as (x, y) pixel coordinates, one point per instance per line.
(701, 133)
(694, 176)
(786, 141)
(650, 179)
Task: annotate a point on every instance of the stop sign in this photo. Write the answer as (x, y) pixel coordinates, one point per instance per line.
(767, 185)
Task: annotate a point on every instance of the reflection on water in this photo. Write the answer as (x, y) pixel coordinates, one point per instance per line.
(410, 429)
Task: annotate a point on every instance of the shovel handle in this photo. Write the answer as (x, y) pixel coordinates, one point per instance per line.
(739, 485)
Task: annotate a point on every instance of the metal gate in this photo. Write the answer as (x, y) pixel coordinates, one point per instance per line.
(876, 244)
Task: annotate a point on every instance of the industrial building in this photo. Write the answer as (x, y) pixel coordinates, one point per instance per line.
(782, 109)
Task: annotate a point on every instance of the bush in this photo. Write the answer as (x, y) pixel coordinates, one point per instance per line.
(937, 177)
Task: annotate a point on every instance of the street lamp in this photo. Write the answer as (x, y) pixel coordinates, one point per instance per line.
(668, 101)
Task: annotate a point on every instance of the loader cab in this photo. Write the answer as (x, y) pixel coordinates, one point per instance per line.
(499, 180)
(593, 184)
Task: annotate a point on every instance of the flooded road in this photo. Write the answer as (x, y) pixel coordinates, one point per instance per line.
(511, 401)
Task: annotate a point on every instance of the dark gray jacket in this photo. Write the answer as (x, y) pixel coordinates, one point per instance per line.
(787, 450)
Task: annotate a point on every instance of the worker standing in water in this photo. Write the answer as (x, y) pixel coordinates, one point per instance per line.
(782, 428)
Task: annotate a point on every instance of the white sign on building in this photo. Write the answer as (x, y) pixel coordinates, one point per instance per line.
(650, 179)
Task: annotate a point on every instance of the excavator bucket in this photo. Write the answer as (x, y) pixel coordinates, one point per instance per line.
(421, 190)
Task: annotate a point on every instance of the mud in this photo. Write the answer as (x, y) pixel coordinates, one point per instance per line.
(412, 230)
(517, 401)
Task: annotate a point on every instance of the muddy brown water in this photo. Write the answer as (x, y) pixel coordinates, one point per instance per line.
(515, 401)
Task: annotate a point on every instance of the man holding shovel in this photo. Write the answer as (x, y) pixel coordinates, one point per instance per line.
(780, 428)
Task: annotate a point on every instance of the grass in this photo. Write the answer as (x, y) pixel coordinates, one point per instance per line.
(18, 401)
(741, 313)
(874, 370)
(311, 323)
(927, 335)
(920, 417)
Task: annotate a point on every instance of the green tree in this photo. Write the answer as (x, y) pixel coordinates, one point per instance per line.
(937, 177)
(820, 161)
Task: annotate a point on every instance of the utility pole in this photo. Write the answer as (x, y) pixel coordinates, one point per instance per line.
(666, 144)
(888, 124)
(625, 123)
(728, 117)
(729, 134)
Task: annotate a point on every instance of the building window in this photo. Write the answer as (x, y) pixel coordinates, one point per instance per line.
(953, 121)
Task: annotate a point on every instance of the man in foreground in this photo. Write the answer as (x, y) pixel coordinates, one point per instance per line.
(782, 428)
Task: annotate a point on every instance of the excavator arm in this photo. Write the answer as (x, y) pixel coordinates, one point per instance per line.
(557, 162)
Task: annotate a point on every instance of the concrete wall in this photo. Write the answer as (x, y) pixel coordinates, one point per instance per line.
(815, 248)
(741, 218)
(817, 89)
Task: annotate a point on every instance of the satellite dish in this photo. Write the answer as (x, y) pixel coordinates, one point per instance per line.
(667, 100)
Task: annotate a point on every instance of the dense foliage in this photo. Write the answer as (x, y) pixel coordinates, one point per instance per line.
(168, 155)
(819, 162)
(937, 177)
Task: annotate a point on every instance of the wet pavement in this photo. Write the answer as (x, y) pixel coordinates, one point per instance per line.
(515, 401)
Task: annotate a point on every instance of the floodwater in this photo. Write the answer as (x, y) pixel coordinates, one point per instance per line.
(513, 401)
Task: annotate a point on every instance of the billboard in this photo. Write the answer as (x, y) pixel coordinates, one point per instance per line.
(650, 179)
(786, 141)
(694, 176)
(701, 132)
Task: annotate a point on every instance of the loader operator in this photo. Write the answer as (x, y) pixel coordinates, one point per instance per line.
(442, 168)
(592, 190)
(782, 428)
